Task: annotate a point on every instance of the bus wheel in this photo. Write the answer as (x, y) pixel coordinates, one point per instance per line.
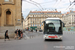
(60, 39)
(45, 39)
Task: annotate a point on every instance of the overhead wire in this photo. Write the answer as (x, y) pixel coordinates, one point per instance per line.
(71, 7)
(55, 4)
(46, 2)
(38, 4)
(58, 2)
(42, 3)
(32, 3)
(71, 4)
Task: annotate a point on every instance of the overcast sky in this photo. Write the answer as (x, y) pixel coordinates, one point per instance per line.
(60, 5)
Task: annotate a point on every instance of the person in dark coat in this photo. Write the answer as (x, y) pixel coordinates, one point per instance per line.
(36, 30)
(6, 35)
(19, 33)
(16, 34)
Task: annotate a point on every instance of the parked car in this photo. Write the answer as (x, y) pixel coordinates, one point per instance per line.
(40, 30)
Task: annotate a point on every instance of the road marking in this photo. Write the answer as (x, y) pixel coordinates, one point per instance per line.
(26, 36)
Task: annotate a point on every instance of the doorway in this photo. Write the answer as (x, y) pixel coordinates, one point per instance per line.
(8, 18)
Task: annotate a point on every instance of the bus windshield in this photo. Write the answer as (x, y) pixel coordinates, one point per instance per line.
(53, 26)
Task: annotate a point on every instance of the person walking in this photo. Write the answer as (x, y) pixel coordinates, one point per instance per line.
(19, 33)
(16, 34)
(6, 35)
(36, 30)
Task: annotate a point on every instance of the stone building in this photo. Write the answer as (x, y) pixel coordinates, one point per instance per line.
(35, 18)
(69, 19)
(10, 15)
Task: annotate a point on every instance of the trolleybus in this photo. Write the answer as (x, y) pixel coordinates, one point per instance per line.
(52, 28)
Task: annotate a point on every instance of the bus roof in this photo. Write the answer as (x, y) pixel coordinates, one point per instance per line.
(53, 18)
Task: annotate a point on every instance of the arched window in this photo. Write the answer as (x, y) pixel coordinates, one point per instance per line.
(8, 12)
(8, 18)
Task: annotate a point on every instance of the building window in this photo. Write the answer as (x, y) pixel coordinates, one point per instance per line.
(30, 15)
(33, 25)
(40, 24)
(35, 15)
(6, 0)
(31, 21)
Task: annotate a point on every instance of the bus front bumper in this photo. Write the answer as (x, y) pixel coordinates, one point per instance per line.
(47, 37)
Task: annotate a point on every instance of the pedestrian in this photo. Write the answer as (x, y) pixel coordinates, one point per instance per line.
(6, 35)
(16, 34)
(36, 30)
(19, 33)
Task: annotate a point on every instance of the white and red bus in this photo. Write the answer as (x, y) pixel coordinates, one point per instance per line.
(52, 28)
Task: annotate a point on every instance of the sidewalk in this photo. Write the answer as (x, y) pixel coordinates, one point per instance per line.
(25, 36)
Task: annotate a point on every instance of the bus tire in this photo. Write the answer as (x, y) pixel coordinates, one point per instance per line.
(60, 39)
(45, 39)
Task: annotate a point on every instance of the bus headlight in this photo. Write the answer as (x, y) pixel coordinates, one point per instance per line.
(60, 36)
(45, 36)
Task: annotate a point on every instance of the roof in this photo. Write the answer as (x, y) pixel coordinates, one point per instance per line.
(44, 12)
(62, 14)
(67, 12)
(53, 18)
(73, 11)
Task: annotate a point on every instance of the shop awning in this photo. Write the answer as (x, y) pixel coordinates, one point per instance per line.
(33, 27)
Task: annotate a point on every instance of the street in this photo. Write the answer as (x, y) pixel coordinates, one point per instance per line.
(32, 34)
(37, 43)
(37, 25)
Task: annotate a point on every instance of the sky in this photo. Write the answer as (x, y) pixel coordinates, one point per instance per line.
(44, 5)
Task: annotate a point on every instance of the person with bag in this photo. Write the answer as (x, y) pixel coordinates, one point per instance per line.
(19, 34)
(6, 35)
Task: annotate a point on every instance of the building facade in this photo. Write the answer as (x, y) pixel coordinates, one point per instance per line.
(35, 18)
(10, 15)
(69, 19)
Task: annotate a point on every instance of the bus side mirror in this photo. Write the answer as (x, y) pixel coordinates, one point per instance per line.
(43, 22)
(63, 25)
